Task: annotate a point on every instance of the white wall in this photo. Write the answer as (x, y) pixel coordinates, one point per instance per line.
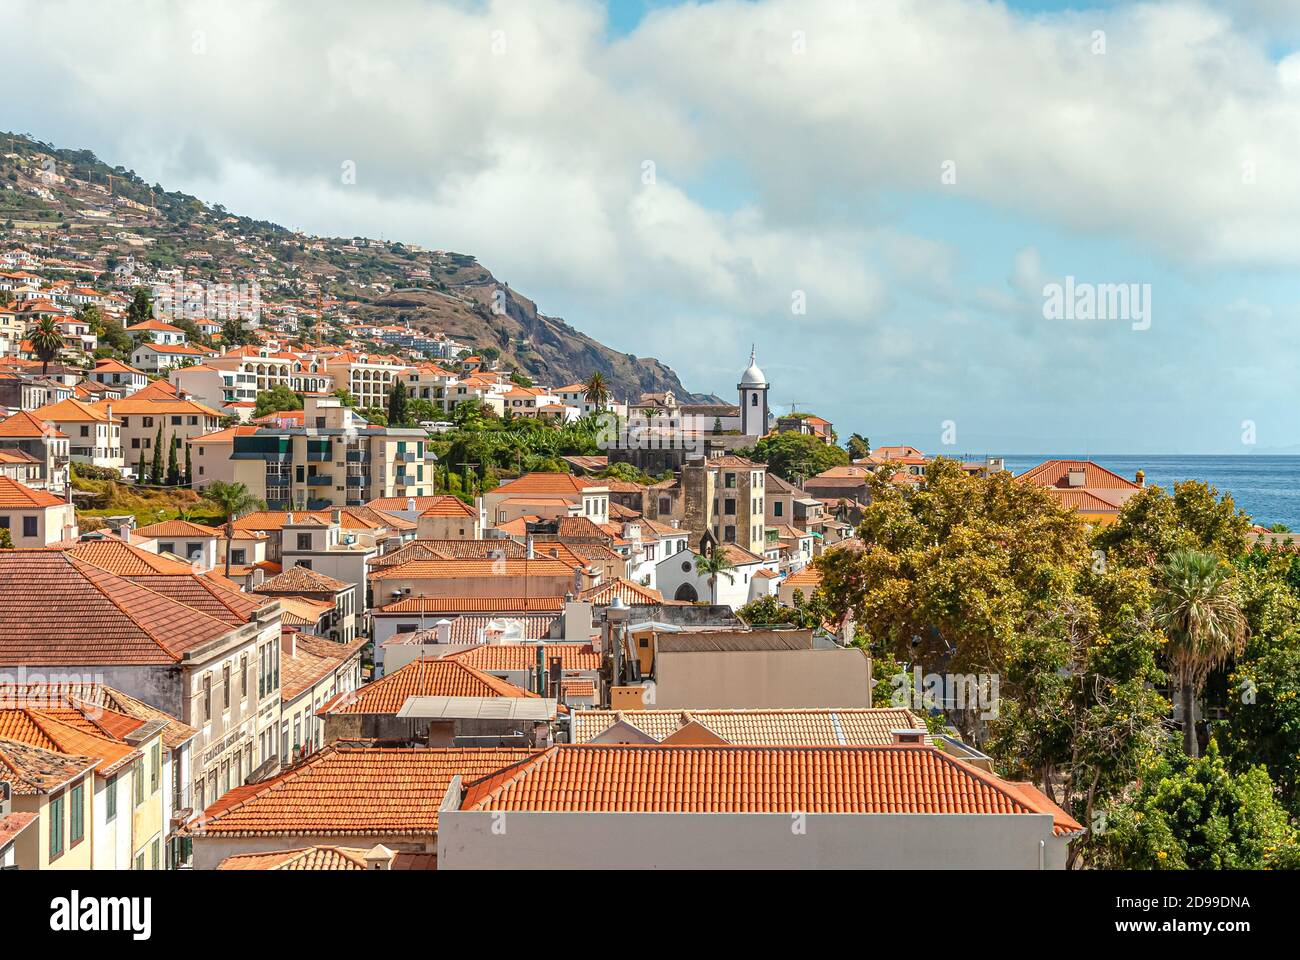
(745, 841)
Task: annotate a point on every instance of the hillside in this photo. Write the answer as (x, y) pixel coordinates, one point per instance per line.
(93, 216)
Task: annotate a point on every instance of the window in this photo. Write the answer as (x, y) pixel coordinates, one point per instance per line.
(139, 860)
(225, 685)
(4, 523)
(304, 541)
(148, 421)
(110, 798)
(155, 767)
(729, 507)
(777, 508)
(56, 826)
(207, 697)
(237, 556)
(753, 400)
(77, 831)
(29, 526)
(176, 421)
(155, 856)
(243, 676)
(137, 770)
(167, 548)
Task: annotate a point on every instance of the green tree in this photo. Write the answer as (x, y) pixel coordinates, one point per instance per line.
(157, 472)
(141, 307)
(1195, 814)
(47, 342)
(1152, 525)
(596, 390)
(1263, 720)
(141, 471)
(1198, 609)
(6, 539)
(859, 447)
(173, 466)
(397, 405)
(189, 467)
(794, 457)
(232, 501)
(346, 397)
(715, 564)
(275, 400)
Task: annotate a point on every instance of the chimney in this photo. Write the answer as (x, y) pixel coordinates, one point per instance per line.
(124, 531)
(410, 504)
(379, 857)
(532, 554)
(442, 630)
(1076, 477)
(909, 737)
(288, 519)
(336, 517)
(1141, 478)
(288, 642)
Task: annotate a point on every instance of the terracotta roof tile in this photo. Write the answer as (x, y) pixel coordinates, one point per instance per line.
(731, 779)
(806, 727)
(300, 579)
(346, 790)
(448, 507)
(522, 656)
(445, 677)
(33, 770)
(503, 606)
(17, 496)
(60, 610)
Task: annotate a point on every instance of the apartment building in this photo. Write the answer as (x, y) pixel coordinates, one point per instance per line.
(335, 459)
(94, 433)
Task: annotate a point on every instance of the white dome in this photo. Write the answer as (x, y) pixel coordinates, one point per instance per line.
(753, 377)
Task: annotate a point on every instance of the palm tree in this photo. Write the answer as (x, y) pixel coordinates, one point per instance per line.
(47, 341)
(597, 390)
(715, 564)
(1199, 611)
(233, 500)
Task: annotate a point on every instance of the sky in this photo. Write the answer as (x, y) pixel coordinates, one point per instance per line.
(885, 197)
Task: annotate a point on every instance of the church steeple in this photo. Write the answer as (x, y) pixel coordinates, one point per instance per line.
(753, 389)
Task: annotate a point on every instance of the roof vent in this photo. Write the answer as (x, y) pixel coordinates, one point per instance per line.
(1076, 477)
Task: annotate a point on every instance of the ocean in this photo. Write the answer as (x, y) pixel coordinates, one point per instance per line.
(1266, 487)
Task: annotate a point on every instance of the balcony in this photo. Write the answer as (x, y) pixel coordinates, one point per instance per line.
(406, 456)
(320, 480)
(359, 481)
(358, 456)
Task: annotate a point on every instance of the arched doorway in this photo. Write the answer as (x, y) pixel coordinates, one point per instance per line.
(687, 592)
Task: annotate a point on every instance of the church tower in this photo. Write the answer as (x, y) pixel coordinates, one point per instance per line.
(753, 389)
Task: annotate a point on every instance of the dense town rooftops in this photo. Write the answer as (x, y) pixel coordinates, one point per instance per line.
(457, 569)
(301, 580)
(523, 656)
(33, 771)
(99, 701)
(177, 528)
(448, 507)
(24, 425)
(495, 605)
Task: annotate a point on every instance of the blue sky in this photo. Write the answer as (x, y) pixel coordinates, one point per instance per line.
(801, 150)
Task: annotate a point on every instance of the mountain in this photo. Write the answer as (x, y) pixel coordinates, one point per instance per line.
(94, 215)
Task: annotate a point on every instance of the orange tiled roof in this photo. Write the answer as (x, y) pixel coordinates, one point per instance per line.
(346, 790)
(49, 731)
(629, 591)
(17, 496)
(546, 483)
(808, 727)
(178, 528)
(32, 771)
(71, 410)
(24, 424)
(448, 507)
(522, 656)
(446, 677)
(300, 579)
(1056, 473)
(60, 610)
(458, 569)
(731, 779)
(497, 605)
(114, 711)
